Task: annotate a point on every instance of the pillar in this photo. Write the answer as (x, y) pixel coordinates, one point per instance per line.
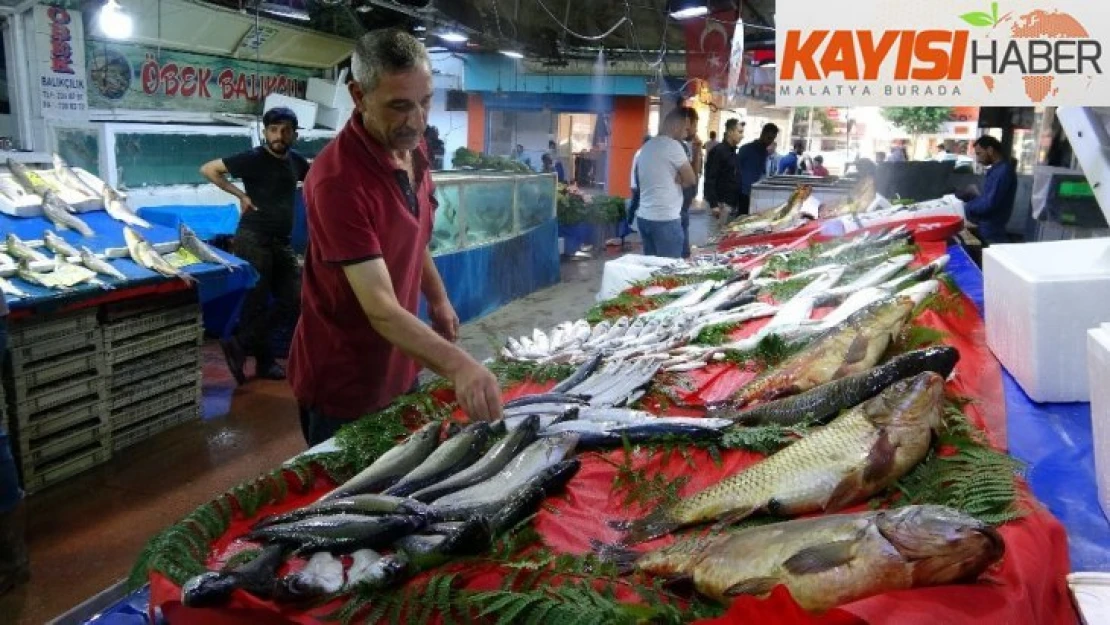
(630, 124)
(475, 123)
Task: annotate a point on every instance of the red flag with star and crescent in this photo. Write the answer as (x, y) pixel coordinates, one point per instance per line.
(708, 48)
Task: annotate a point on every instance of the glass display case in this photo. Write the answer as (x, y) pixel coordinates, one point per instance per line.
(476, 209)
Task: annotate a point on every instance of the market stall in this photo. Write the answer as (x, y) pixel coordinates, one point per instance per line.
(546, 564)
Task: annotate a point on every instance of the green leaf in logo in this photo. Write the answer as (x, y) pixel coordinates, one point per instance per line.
(978, 18)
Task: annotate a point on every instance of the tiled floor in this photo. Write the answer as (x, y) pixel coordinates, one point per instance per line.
(85, 534)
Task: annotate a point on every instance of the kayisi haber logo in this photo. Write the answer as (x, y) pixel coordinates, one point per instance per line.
(1034, 56)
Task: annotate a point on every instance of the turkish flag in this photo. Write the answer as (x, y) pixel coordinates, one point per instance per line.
(708, 47)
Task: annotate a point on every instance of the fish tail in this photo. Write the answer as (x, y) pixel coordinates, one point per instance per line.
(657, 523)
(620, 556)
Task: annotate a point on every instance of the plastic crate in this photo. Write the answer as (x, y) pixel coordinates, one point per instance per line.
(132, 393)
(144, 367)
(148, 408)
(52, 328)
(44, 350)
(36, 451)
(138, 432)
(60, 418)
(28, 375)
(53, 395)
(150, 322)
(147, 344)
(134, 307)
(60, 469)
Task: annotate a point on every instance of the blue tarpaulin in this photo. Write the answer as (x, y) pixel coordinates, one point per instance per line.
(221, 290)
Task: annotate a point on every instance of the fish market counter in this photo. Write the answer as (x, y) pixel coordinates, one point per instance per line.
(1027, 586)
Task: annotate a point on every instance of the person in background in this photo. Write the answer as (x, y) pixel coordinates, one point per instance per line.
(634, 203)
(990, 210)
(664, 171)
(548, 165)
(753, 164)
(370, 202)
(819, 169)
(15, 568)
(880, 157)
(790, 165)
(712, 143)
(942, 154)
(722, 173)
(693, 147)
(270, 174)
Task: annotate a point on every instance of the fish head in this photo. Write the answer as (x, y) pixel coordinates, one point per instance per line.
(942, 544)
(918, 292)
(209, 589)
(910, 401)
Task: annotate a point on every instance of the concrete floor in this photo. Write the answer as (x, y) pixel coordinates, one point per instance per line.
(85, 534)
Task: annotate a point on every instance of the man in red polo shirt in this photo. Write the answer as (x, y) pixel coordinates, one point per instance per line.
(370, 201)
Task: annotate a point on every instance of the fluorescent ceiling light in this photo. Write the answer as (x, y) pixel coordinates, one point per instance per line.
(512, 54)
(768, 65)
(690, 12)
(113, 22)
(418, 28)
(454, 37)
(282, 10)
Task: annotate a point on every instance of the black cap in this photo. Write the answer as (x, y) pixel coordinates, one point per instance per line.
(278, 115)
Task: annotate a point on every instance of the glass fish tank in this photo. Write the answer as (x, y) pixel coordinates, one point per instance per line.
(477, 209)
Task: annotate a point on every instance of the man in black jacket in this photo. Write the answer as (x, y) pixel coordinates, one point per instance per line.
(722, 173)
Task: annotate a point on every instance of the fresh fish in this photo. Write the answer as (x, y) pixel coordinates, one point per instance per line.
(370, 571)
(493, 503)
(454, 455)
(828, 561)
(69, 178)
(390, 466)
(5, 259)
(857, 455)
(60, 214)
(826, 401)
(599, 331)
(540, 455)
(145, 256)
(489, 465)
(78, 273)
(117, 209)
(584, 371)
(367, 505)
(545, 398)
(30, 181)
(922, 274)
(10, 289)
(192, 243)
(214, 588)
(21, 251)
(429, 551)
(593, 434)
(58, 245)
(26, 274)
(323, 575)
(12, 191)
(540, 409)
(339, 533)
(92, 262)
(542, 343)
(877, 275)
(854, 346)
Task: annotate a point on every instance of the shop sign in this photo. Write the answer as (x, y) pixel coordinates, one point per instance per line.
(130, 76)
(60, 57)
(903, 53)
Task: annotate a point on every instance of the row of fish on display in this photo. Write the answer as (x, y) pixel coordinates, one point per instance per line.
(788, 216)
(28, 183)
(64, 266)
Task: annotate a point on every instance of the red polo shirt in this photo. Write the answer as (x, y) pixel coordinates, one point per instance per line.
(357, 209)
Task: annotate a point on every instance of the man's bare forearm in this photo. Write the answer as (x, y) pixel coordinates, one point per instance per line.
(431, 283)
(413, 337)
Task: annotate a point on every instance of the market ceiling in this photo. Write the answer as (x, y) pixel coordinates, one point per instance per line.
(549, 30)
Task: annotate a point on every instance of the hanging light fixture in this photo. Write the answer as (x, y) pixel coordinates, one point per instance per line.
(687, 9)
(512, 54)
(453, 37)
(114, 22)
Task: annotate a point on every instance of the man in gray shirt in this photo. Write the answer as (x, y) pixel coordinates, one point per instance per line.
(664, 171)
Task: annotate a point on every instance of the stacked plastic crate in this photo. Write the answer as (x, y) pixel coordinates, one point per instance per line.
(56, 396)
(152, 351)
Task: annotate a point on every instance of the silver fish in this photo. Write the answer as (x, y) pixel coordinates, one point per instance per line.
(117, 209)
(10, 289)
(26, 274)
(69, 178)
(59, 213)
(145, 256)
(21, 251)
(29, 180)
(191, 242)
(58, 245)
(94, 263)
(12, 191)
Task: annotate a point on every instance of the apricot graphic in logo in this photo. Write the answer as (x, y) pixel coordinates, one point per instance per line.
(1048, 50)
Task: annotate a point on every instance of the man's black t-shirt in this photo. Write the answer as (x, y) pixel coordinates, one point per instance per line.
(270, 182)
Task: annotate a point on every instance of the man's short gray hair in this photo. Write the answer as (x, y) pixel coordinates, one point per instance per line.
(385, 51)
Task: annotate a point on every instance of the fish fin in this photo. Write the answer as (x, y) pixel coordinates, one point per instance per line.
(881, 458)
(755, 586)
(618, 555)
(857, 351)
(821, 558)
(655, 524)
(732, 518)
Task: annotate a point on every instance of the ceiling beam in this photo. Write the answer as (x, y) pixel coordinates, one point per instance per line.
(759, 17)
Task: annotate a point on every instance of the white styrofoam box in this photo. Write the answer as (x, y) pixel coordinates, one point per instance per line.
(304, 109)
(1091, 591)
(1098, 367)
(329, 93)
(334, 118)
(618, 274)
(1041, 298)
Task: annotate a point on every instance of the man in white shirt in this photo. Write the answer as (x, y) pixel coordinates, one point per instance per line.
(634, 204)
(664, 170)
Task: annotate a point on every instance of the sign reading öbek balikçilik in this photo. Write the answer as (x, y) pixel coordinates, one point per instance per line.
(943, 53)
(130, 76)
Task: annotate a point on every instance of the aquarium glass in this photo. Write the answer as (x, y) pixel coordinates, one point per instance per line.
(79, 147)
(445, 231)
(148, 159)
(535, 201)
(489, 210)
